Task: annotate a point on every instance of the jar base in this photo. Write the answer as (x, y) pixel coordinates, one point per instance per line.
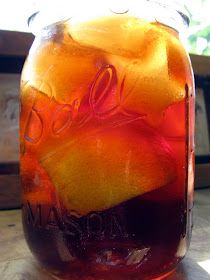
(89, 277)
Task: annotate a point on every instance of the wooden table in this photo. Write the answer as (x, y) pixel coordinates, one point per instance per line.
(17, 263)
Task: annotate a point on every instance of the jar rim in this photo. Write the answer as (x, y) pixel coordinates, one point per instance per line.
(179, 11)
(178, 6)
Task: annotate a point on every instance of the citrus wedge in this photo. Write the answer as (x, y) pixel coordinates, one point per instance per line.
(100, 171)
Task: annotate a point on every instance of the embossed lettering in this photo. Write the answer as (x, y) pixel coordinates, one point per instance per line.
(103, 99)
(72, 227)
(116, 227)
(53, 219)
(33, 214)
(34, 127)
(62, 119)
(95, 225)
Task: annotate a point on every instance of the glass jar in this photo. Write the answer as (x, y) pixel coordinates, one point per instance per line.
(106, 131)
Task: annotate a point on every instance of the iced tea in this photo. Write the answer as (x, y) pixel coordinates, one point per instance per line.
(107, 149)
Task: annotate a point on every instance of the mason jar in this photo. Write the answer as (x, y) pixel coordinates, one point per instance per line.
(107, 139)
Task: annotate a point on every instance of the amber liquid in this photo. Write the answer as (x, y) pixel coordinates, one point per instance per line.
(135, 240)
(107, 153)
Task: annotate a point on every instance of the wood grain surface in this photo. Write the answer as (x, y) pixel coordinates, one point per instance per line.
(17, 263)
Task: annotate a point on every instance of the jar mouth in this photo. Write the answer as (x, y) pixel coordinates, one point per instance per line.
(174, 14)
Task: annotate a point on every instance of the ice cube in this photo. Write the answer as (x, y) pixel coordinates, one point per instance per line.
(64, 70)
(179, 67)
(117, 34)
(145, 86)
(136, 256)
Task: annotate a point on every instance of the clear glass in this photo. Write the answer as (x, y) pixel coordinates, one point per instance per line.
(107, 142)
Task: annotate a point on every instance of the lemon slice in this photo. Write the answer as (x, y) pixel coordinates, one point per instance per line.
(100, 171)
